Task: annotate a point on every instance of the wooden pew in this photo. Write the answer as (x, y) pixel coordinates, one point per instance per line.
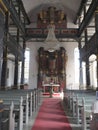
(35, 94)
(12, 118)
(85, 115)
(3, 120)
(27, 100)
(16, 99)
(15, 108)
(94, 114)
(77, 105)
(30, 102)
(19, 104)
(82, 110)
(32, 98)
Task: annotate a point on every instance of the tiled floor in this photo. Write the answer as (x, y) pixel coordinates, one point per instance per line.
(71, 120)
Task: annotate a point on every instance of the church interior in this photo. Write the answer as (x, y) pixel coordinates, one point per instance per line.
(48, 60)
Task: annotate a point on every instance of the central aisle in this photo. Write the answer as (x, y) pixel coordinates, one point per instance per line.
(51, 116)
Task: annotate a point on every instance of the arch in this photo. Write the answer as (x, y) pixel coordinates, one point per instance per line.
(93, 70)
(10, 70)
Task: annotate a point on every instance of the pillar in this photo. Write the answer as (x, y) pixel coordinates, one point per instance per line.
(16, 56)
(87, 63)
(1, 41)
(23, 63)
(16, 63)
(87, 58)
(96, 29)
(81, 71)
(4, 62)
(97, 65)
(87, 74)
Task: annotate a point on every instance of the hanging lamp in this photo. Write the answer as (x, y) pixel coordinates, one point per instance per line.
(51, 42)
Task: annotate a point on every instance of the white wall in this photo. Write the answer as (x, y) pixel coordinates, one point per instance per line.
(70, 66)
(33, 68)
(70, 70)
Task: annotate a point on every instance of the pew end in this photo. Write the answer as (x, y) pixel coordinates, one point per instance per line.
(94, 116)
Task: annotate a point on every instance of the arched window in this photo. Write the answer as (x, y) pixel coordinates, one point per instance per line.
(76, 64)
(26, 69)
(93, 70)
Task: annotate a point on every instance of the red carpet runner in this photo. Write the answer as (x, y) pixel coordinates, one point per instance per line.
(51, 116)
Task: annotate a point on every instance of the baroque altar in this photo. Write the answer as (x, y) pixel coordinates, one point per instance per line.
(51, 71)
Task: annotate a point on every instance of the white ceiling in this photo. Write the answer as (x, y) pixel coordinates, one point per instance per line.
(70, 7)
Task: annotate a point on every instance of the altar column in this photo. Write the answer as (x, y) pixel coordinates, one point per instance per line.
(63, 64)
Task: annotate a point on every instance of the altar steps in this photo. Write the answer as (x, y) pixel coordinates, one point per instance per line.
(53, 95)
